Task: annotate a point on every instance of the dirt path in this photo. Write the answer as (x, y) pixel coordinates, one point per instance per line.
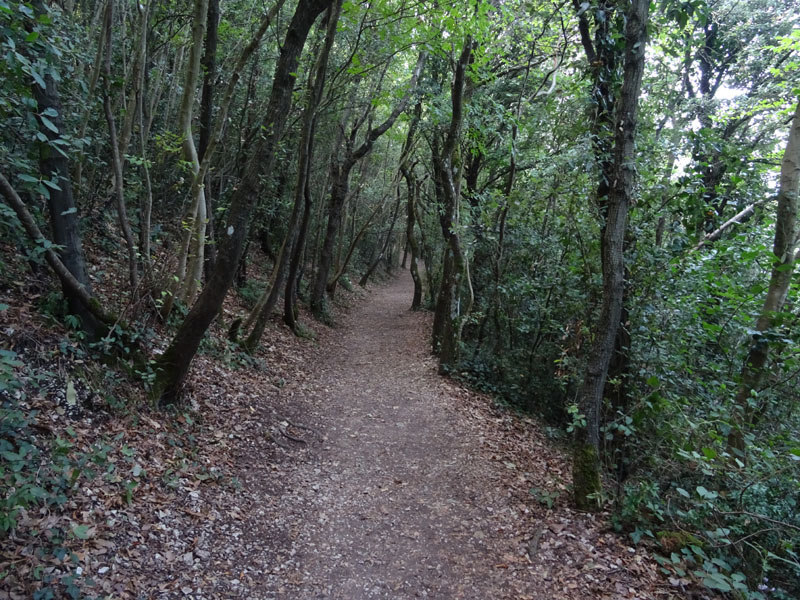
(411, 493)
(400, 501)
(345, 469)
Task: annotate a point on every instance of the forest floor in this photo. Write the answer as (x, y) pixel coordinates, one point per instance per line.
(341, 469)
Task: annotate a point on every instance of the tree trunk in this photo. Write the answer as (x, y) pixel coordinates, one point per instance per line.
(173, 365)
(586, 458)
(75, 291)
(209, 64)
(53, 165)
(754, 370)
(447, 320)
(357, 236)
(146, 210)
(116, 159)
(137, 80)
(292, 279)
(340, 181)
(190, 255)
(413, 247)
(316, 82)
(368, 273)
(444, 301)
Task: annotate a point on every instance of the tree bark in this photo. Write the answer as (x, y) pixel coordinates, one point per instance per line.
(54, 165)
(116, 159)
(74, 289)
(586, 458)
(173, 365)
(293, 277)
(446, 174)
(190, 255)
(357, 236)
(413, 247)
(316, 82)
(209, 64)
(368, 273)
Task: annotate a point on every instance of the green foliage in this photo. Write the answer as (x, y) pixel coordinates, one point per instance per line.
(250, 292)
(38, 472)
(720, 79)
(670, 410)
(545, 497)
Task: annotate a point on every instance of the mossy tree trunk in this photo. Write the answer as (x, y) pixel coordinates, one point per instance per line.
(614, 195)
(447, 175)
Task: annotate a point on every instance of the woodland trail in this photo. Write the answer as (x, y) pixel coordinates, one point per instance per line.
(343, 469)
(411, 491)
(402, 505)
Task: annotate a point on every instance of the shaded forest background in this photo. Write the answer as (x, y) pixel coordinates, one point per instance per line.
(597, 199)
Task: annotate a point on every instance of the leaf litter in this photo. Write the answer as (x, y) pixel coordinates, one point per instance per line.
(343, 467)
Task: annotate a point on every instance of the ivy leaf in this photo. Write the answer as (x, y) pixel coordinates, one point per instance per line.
(716, 581)
(81, 532)
(49, 124)
(38, 79)
(710, 453)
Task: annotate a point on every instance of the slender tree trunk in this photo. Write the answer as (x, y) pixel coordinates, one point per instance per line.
(76, 291)
(411, 240)
(357, 236)
(173, 365)
(193, 251)
(316, 82)
(411, 246)
(586, 457)
(425, 251)
(177, 69)
(94, 76)
(340, 181)
(444, 300)
(368, 273)
(147, 207)
(209, 64)
(190, 254)
(137, 81)
(754, 370)
(292, 280)
(447, 321)
(156, 89)
(116, 160)
(260, 316)
(340, 175)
